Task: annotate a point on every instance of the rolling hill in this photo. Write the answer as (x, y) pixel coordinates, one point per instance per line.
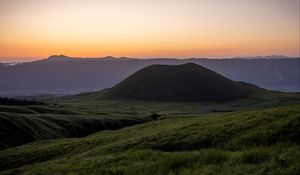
(250, 142)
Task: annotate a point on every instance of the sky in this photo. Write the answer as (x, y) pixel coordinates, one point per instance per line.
(35, 29)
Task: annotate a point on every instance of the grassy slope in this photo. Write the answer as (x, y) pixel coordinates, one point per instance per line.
(89, 102)
(74, 117)
(23, 124)
(249, 142)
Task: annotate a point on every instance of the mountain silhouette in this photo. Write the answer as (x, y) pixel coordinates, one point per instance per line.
(185, 82)
(63, 75)
(58, 58)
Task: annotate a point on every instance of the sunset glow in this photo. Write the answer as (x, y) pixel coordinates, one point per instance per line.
(35, 29)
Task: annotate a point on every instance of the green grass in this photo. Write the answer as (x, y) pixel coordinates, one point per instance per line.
(73, 117)
(90, 104)
(18, 128)
(247, 142)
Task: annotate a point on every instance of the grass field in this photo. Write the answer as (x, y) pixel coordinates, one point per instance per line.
(246, 142)
(75, 135)
(20, 125)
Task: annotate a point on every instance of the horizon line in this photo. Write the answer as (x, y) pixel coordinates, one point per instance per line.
(24, 60)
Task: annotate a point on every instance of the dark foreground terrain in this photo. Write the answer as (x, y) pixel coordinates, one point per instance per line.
(248, 142)
(250, 136)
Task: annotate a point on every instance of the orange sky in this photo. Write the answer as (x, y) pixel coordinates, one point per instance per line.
(35, 29)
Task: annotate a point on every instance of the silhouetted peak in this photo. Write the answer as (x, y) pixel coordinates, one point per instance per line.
(185, 82)
(190, 64)
(186, 66)
(109, 57)
(113, 58)
(58, 58)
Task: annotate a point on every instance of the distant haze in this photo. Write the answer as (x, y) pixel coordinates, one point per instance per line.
(34, 29)
(66, 75)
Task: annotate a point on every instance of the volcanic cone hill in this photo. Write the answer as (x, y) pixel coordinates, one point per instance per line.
(186, 82)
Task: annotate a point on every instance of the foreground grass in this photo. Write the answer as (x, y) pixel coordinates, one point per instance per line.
(274, 160)
(17, 129)
(75, 117)
(249, 142)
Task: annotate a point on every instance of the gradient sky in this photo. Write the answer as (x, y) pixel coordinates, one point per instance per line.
(34, 29)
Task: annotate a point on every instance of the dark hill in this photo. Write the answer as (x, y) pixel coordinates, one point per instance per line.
(186, 82)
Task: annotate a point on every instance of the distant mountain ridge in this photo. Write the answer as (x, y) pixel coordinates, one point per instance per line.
(67, 58)
(185, 82)
(59, 58)
(67, 75)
